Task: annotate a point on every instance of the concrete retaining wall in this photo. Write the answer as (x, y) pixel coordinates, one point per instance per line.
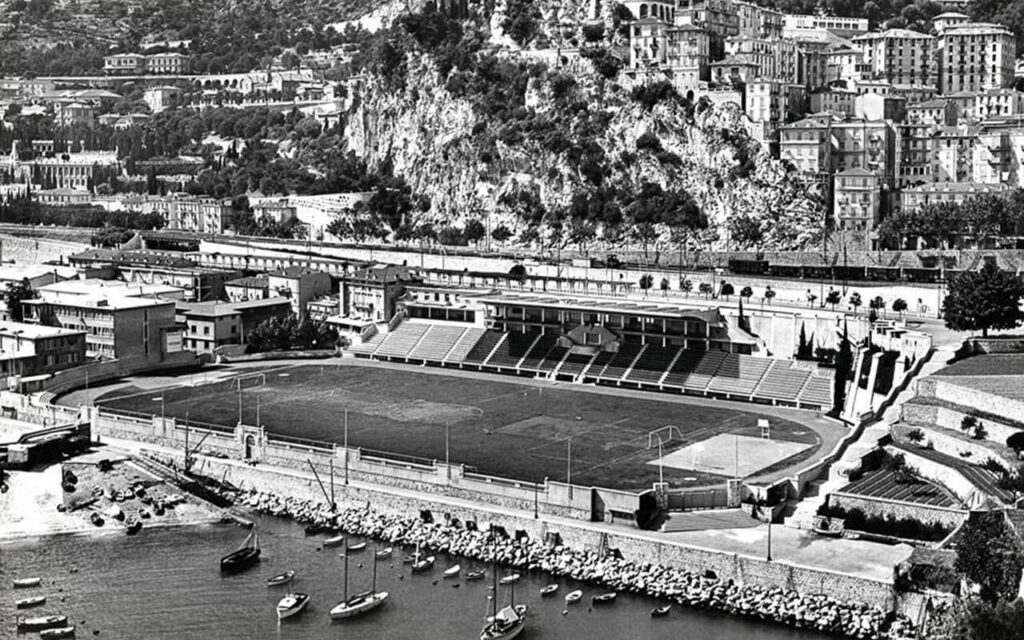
(952, 418)
(953, 443)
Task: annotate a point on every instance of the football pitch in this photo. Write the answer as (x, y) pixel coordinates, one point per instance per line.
(509, 427)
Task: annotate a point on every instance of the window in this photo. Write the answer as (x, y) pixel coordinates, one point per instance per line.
(206, 331)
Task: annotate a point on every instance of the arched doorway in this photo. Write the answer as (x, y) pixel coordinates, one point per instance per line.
(250, 445)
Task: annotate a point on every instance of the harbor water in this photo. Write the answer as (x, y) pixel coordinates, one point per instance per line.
(166, 583)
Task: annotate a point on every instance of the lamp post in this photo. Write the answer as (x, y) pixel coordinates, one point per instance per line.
(447, 464)
(346, 447)
(768, 557)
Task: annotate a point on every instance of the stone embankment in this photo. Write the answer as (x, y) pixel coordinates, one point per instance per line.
(816, 612)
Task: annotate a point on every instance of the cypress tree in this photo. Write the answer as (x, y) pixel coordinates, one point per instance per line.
(844, 361)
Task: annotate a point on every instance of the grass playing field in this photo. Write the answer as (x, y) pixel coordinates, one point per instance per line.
(503, 427)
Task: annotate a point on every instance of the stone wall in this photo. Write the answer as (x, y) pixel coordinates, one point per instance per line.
(948, 477)
(636, 548)
(949, 391)
(898, 509)
(952, 418)
(37, 250)
(956, 443)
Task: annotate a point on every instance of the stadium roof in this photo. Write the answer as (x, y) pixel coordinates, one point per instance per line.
(654, 307)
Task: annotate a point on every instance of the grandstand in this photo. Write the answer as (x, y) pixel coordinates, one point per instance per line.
(620, 343)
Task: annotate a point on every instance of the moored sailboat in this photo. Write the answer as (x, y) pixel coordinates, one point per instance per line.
(360, 603)
(243, 557)
(507, 623)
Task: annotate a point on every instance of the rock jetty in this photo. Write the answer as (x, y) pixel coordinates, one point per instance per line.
(818, 612)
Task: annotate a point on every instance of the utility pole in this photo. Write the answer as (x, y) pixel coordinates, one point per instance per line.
(769, 556)
(346, 447)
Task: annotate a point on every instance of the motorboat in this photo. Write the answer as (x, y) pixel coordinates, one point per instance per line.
(360, 603)
(41, 622)
(26, 603)
(243, 557)
(605, 598)
(58, 632)
(509, 579)
(281, 578)
(354, 548)
(27, 583)
(573, 597)
(453, 571)
(291, 605)
(382, 554)
(423, 565)
(549, 590)
(335, 541)
(658, 612)
(476, 575)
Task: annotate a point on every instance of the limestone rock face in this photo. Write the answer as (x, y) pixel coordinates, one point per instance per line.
(432, 138)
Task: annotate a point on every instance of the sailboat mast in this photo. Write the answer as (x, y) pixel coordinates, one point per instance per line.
(513, 596)
(374, 587)
(494, 591)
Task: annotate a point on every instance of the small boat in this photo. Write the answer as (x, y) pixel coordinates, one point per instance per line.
(243, 557)
(549, 590)
(476, 575)
(335, 541)
(281, 578)
(509, 579)
(573, 597)
(58, 632)
(605, 598)
(96, 519)
(383, 553)
(26, 603)
(423, 565)
(133, 526)
(658, 612)
(353, 548)
(42, 622)
(25, 583)
(291, 604)
(315, 529)
(452, 571)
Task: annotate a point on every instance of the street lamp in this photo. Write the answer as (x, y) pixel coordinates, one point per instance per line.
(346, 447)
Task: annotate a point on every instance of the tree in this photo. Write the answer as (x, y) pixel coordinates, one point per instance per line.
(833, 298)
(665, 286)
(844, 366)
(916, 436)
(474, 231)
(899, 305)
(1016, 442)
(984, 300)
(500, 233)
(746, 292)
(14, 295)
(705, 288)
(726, 290)
(769, 293)
(980, 620)
(877, 303)
(896, 464)
(646, 281)
(990, 555)
(855, 301)
(686, 285)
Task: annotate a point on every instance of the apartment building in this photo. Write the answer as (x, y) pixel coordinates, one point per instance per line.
(775, 59)
(209, 325)
(31, 349)
(899, 56)
(843, 27)
(976, 57)
(938, 192)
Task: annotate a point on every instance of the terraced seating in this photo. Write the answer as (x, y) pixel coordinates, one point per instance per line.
(552, 359)
(367, 348)
(600, 362)
(539, 351)
(781, 382)
(464, 345)
(705, 370)
(817, 391)
(398, 343)
(739, 374)
(680, 371)
(620, 363)
(511, 350)
(483, 347)
(575, 363)
(653, 363)
(437, 342)
(985, 480)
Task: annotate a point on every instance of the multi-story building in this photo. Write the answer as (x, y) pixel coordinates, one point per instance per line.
(953, 153)
(915, 159)
(776, 59)
(939, 111)
(688, 56)
(124, 64)
(976, 57)
(733, 71)
(937, 192)
(770, 102)
(964, 103)
(247, 288)
(196, 283)
(998, 102)
(371, 294)
(843, 63)
(209, 325)
(68, 114)
(663, 10)
(944, 21)
(876, 106)
(843, 27)
(756, 21)
(299, 285)
(133, 64)
(317, 212)
(718, 17)
(277, 210)
(32, 349)
(162, 98)
(812, 67)
(167, 64)
(647, 45)
(899, 56)
(79, 171)
(195, 213)
(857, 201)
(116, 324)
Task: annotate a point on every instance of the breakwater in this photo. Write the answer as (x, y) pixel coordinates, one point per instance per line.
(688, 588)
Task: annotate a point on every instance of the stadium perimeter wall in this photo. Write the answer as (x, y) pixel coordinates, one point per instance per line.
(883, 507)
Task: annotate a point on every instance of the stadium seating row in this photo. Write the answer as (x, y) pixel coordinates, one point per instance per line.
(643, 365)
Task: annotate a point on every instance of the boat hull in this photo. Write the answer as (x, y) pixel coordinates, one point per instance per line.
(41, 623)
(30, 602)
(280, 579)
(365, 605)
(294, 609)
(27, 583)
(60, 632)
(239, 560)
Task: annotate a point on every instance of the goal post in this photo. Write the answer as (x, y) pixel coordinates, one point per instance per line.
(663, 434)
